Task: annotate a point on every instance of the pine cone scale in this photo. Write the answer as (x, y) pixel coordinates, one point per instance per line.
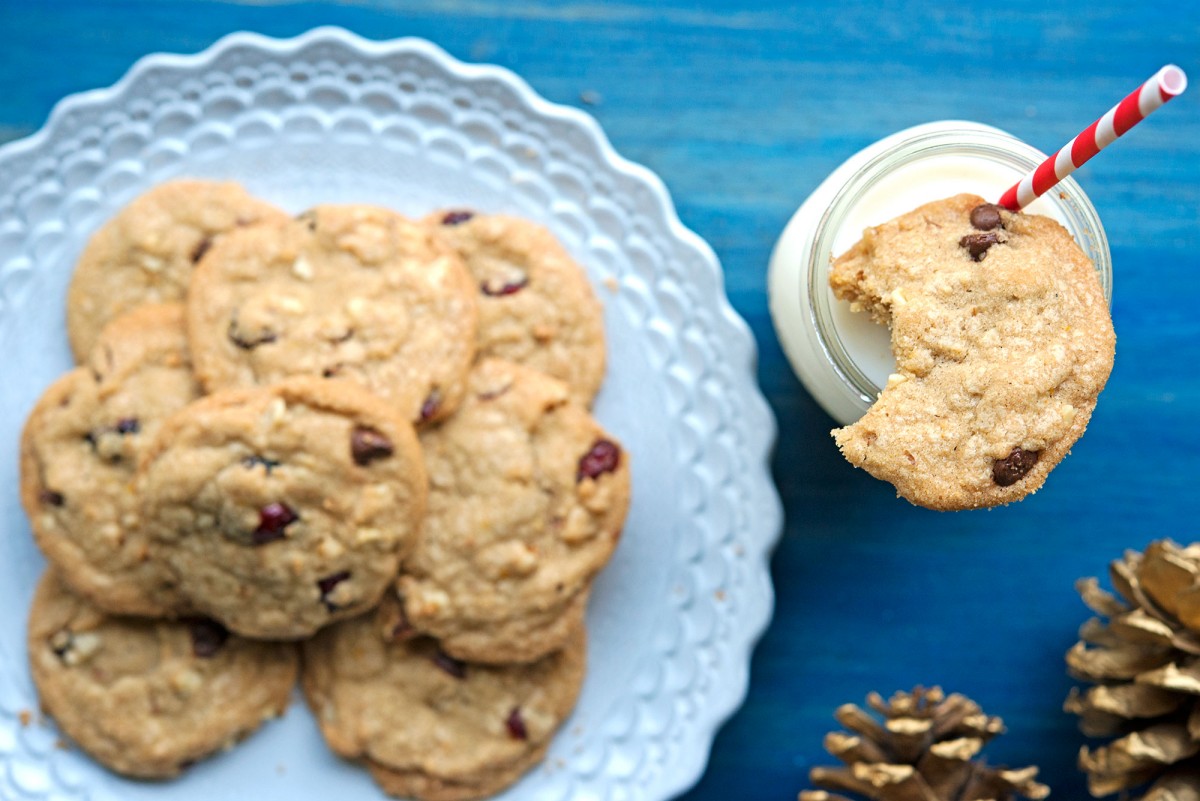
(925, 749)
(1144, 662)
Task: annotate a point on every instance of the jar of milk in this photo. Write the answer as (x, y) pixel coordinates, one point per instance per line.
(842, 357)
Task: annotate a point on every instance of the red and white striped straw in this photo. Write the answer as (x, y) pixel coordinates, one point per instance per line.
(1162, 86)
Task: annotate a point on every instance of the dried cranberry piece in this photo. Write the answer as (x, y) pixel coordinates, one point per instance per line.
(367, 445)
(455, 667)
(207, 636)
(432, 404)
(1010, 470)
(507, 288)
(272, 520)
(201, 248)
(326, 586)
(457, 217)
(516, 725)
(494, 393)
(128, 425)
(604, 457)
(51, 498)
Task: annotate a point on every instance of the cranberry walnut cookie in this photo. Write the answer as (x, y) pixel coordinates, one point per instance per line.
(528, 496)
(536, 306)
(427, 725)
(1003, 342)
(284, 508)
(147, 698)
(147, 252)
(79, 453)
(350, 292)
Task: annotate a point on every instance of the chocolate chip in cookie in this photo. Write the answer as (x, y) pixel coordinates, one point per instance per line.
(246, 340)
(1012, 468)
(986, 217)
(367, 445)
(977, 244)
(208, 636)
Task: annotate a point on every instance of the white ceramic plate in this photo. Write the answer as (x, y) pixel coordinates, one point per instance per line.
(329, 117)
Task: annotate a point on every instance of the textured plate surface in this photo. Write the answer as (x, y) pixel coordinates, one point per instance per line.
(329, 117)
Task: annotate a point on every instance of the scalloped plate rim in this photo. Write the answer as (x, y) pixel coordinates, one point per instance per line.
(741, 345)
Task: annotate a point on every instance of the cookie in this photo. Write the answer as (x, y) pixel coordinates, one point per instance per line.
(528, 495)
(427, 725)
(79, 454)
(146, 253)
(148, 698)
(536, 306)
(351, 292)
(284, 508)
(1003, 341)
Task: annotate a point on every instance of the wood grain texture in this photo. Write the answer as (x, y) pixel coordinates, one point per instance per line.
(742, 108)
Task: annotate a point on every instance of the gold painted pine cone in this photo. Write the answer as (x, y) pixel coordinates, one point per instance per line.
(1144, 663)
(924, 749)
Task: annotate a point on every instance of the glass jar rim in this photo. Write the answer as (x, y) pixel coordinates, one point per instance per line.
(993, 143)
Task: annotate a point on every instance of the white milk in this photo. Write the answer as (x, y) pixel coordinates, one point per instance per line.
(842, 357)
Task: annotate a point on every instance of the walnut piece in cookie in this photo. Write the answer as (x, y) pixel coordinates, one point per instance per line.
(79, 454)
(528, 496)
(147, 252)
(536, 306)
(1003, 342)
(349, 292)
(148, 698)
(427, 725)
(284, 508)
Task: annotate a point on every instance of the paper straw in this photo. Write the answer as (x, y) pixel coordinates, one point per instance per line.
(1162, 86)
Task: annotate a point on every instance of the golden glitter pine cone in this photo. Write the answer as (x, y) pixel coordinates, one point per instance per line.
(1144, 664)
(923, 749)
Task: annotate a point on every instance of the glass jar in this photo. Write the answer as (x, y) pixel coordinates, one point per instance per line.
(842, 357)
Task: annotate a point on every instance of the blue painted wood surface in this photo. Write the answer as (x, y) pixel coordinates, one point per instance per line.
(742, 109)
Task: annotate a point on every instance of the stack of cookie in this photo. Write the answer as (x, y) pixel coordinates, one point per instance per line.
(362, 433)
